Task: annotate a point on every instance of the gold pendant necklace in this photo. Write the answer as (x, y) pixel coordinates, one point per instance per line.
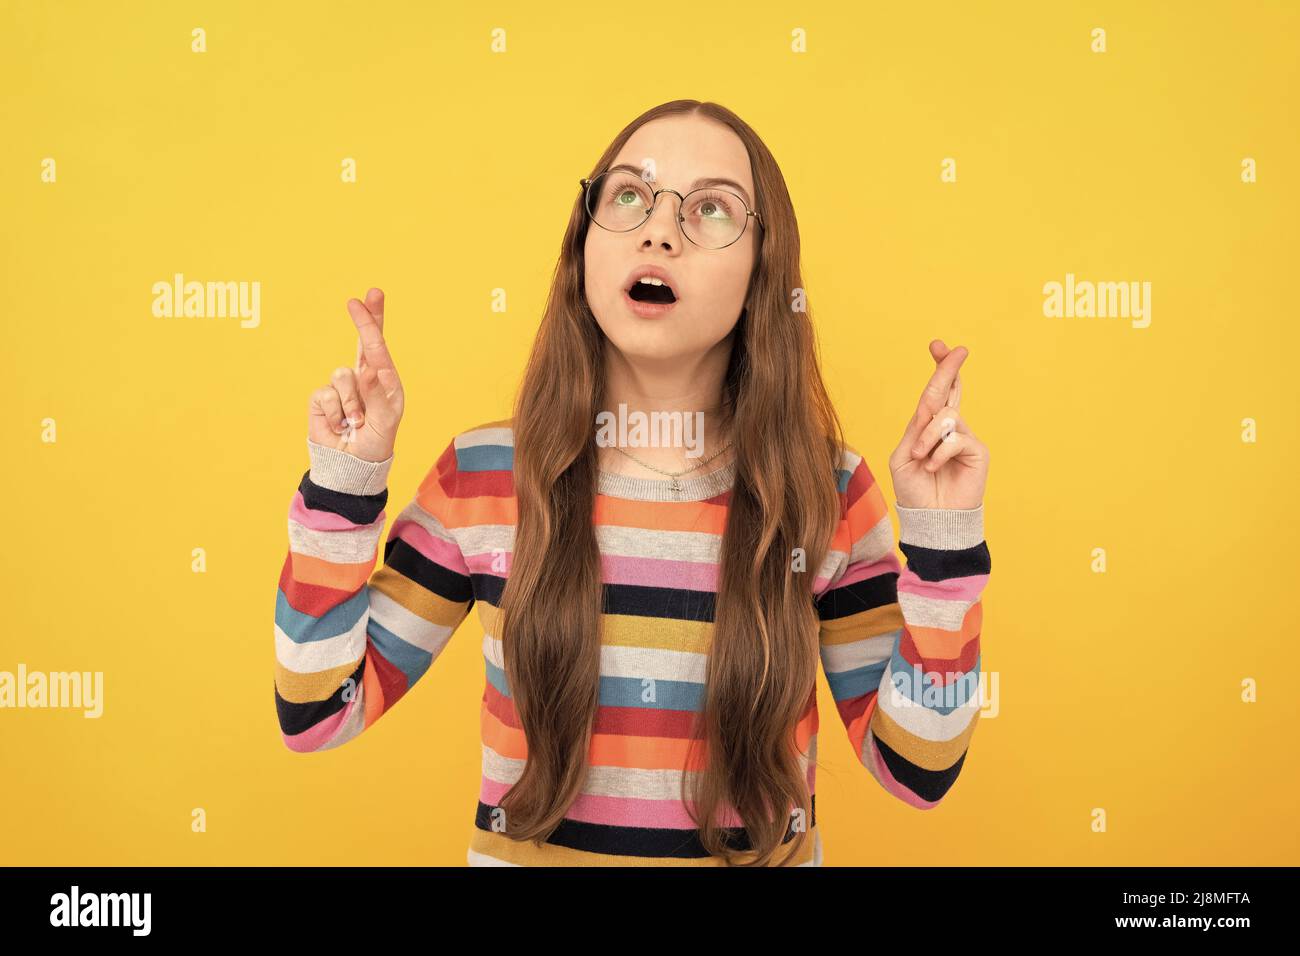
(676, 486)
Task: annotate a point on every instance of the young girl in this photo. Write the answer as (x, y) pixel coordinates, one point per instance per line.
(653, 611)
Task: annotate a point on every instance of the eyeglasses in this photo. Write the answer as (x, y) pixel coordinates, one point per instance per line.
(709, 217)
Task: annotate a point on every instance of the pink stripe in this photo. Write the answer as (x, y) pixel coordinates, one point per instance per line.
(490, 791)
(489, 562)
(445, 553)
(667, 814)
(637, 812)
(820, 583)
(861, 570)
(949, 589)
(688, 575)
(325, 520)
(319, 734)
(627, 811)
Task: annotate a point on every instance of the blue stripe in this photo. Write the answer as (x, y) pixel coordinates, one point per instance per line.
(842, 476)
(410, 660)
(625, 691)
(303, 628)
(914, 683)
(846, 685)
(485, 458)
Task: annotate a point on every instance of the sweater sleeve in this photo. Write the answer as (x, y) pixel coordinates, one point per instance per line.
(901, 646)
(348, 643)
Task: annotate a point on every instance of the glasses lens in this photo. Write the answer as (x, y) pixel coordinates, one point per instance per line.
(619, 201)
(713, 218)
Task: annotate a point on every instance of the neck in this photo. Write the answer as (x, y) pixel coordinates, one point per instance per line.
(668, 414)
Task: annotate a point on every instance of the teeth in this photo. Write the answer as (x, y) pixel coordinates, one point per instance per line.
(650, 280)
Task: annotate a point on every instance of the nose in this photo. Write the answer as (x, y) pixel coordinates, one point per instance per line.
(661, 228)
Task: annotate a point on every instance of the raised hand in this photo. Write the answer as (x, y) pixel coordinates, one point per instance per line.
(940, 463)
(359, 411)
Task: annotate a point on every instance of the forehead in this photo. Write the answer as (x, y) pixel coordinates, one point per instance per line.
(686, 148)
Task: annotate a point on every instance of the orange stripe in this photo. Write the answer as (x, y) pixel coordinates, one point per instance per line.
(661, 516)
(318, 571)
(616, 750)
(866, 512)
(466, 512)
(374, 691)
(935, 642)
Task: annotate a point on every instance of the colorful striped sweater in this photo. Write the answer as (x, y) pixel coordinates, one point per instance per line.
(900, 647)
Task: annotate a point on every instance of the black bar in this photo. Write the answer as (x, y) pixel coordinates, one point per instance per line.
(948, 907)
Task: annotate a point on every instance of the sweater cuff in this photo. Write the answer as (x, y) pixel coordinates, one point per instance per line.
(948, 529)
(339, 471)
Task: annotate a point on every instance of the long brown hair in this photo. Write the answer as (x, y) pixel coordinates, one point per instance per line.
(762, 660)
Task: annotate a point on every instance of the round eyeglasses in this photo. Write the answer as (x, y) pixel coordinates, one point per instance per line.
(710, 217)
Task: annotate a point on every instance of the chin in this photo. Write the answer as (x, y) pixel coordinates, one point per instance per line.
(649, 341)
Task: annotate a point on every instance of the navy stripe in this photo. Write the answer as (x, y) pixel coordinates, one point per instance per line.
(930, 564)
(929, 785)
(845, 600)
(295, 718)
(359, 509)
(680, 844)
(429, 574)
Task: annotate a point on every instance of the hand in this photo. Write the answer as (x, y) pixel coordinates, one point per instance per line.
(940, 463)
(359, 411)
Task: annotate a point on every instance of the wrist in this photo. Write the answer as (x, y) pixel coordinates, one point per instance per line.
(343, 472)
(945, 528)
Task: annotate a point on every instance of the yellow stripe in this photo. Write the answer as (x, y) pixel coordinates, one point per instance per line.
(524, 853)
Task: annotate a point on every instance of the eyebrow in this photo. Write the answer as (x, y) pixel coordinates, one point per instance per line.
(704, 181)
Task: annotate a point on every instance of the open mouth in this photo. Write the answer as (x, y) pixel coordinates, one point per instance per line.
(647, 289)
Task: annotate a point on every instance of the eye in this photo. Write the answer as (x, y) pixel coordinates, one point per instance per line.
(624, 192)
(713, 205)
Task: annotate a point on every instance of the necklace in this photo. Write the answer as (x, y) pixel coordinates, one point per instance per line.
(676, 486)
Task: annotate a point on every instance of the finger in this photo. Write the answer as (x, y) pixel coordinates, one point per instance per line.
(939, 351)
(938, 390)
(948, 450)
(946, 423)
(374, 304)
(370, 346)
(940, 387)
(344, 381)
(327, 405)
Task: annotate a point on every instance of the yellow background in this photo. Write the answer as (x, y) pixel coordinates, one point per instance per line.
(1119, 691)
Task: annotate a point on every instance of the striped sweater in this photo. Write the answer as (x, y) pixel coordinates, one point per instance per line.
(900, 647)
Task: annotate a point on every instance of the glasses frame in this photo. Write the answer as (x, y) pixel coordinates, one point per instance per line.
(654, 204)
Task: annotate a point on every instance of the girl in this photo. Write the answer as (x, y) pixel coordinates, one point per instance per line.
(653, 611)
